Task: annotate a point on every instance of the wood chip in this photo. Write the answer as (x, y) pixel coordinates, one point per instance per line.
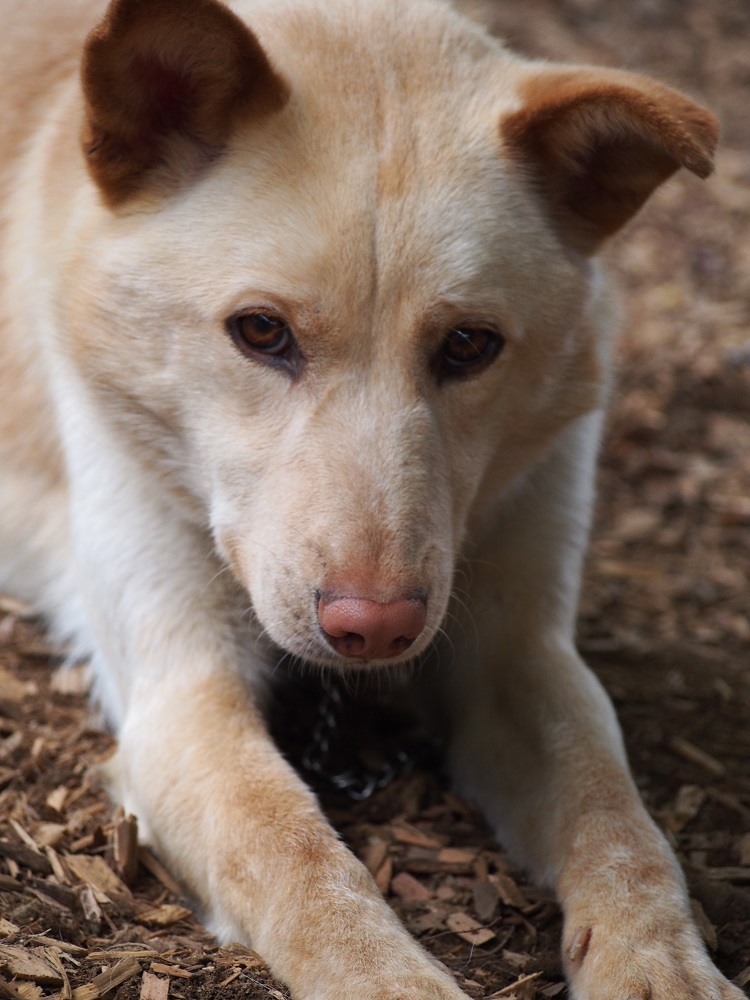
(486, 900)
(517, 959)
(552, 991)
(240, 954)
(24, 835)
(687, 804)
(420, 859)
(149, 861)
(164, 915)
(374, 854)
(73, 680)
(406, 887)
(731, 873)
(468, 929)
(7, 928)
(706, 928)
(451, 856)
(8, 991)
(65, 946)
(27, 857)
(13, 690)
(405, 833)
(695, 755)
(154, 987)
(95, 872)
(523, 981)
(384, 875)
(91, 909)
(57, 798)
(19, 609)
(86, 992)
(509, 892)
(49, 834)
(171, 970)
(132, 952)
(59, 870)
(231, 978)
(29, 991)
(29, 963)
(66, 992)
(115, 976)
(125, 844)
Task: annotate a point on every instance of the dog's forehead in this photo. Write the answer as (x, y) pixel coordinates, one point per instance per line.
(382, 186)
(386, 182)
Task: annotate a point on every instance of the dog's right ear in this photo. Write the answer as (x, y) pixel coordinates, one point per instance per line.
(165, 82)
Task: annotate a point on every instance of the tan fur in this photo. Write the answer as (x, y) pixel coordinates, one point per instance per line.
(368, 176)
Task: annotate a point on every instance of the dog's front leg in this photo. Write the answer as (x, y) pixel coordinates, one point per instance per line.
(536, 742)
(247, 838)
(176, 672)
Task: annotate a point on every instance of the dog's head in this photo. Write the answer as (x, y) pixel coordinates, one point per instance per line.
(339, 287)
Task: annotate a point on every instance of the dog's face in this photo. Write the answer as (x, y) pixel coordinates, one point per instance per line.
(341, 327)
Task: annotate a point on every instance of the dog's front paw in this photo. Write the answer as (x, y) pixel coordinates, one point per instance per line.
(389, 982)
(660, 963)
(423, 989)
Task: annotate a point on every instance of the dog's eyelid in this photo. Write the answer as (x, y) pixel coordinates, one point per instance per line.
(467, 348)
(265, 336)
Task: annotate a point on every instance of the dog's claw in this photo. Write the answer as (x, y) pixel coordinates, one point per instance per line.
(618, 968)
(576, 951)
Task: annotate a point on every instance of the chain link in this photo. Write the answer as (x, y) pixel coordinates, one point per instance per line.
(358, 782)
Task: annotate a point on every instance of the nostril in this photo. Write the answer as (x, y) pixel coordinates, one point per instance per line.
(399, 645)
(367, 629)
(348, 644)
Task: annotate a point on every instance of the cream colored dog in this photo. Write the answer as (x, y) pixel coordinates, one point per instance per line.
(300, 308)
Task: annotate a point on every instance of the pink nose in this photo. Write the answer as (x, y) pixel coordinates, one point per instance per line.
(369, 630)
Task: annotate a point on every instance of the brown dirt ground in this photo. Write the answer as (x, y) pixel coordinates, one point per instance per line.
(664, 621)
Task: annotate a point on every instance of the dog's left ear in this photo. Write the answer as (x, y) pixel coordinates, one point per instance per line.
(598, 142)
(164, 83)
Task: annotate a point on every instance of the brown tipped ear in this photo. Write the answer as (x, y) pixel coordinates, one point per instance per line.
(601, 141)
(165, 82)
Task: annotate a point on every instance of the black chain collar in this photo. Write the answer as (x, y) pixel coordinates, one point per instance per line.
(322, 753)
(351, 742)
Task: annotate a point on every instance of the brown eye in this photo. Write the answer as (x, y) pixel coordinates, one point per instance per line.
(266, 337)
(263, 332)
(466, 349)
